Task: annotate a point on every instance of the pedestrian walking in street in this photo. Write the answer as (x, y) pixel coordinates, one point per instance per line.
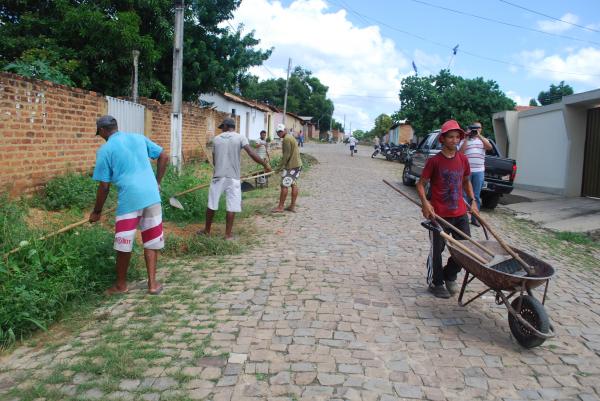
(124, 161)
(301, 139)
(474, 147)
(448, 174)
(227, 148)
(291, 165)
(352, 141)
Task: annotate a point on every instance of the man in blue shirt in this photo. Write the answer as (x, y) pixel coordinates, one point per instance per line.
(124, 161)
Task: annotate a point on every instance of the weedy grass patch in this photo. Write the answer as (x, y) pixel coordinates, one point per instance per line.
(45, 278)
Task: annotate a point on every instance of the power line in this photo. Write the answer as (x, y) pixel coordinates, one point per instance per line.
(549, 16)
(472, 54)
(369, 96)
(504, 22)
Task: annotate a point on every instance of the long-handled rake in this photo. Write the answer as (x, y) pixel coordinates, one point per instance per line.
(173, 201)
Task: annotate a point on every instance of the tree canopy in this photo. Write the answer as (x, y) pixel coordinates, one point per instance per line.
(89, 42)
(307, 96)
(430, 100)
(383, 123)
(555, 93)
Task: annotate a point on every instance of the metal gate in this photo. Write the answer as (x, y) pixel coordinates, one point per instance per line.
(129, 115)
(591, 161)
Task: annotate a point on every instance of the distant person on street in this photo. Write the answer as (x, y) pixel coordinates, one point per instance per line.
(291, 165)
(474, 148)
(352, 141)
(124, 161)
(301, 138)
(262, 149)
(227, 147)
(448, 173)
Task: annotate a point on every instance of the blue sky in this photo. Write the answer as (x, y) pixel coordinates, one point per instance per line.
(358, 50)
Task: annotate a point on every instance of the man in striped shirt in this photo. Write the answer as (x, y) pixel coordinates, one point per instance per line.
(474, 148)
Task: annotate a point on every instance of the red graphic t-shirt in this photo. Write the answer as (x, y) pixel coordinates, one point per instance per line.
(446, 177)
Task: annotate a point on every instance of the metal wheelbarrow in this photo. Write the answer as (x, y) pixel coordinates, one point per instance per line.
(527, 318)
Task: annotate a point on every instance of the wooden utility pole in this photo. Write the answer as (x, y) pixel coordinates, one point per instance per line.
(134, 86)
(177, 87)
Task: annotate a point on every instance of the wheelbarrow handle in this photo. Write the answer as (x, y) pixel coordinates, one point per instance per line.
(433, 226)
(444, 222)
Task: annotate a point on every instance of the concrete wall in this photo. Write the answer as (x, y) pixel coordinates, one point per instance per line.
(506, 131)
(292, 122)
(576, 123)
(542, 152)
(251, 120)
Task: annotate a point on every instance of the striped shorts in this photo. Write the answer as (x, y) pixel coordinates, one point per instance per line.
(149, 220)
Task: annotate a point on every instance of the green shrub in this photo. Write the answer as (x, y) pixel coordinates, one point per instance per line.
(72, 190)
(194, 203)
(44, 279)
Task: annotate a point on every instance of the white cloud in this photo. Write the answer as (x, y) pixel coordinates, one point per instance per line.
(350, 60)
(581, 66)
(552, 26)
(519, 100)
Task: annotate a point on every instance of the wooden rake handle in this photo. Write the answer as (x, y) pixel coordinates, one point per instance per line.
(530, 270)
(62, 230)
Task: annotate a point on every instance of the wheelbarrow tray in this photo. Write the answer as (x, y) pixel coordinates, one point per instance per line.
(500, 280)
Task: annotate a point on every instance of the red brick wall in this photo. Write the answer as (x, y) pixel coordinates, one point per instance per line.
(48, 129)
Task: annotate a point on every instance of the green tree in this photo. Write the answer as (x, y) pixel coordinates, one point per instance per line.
(429, 101)
(555, 93)
(383, 123)
(307, 96)
(360, 134)
(533, 102)
(90, 43)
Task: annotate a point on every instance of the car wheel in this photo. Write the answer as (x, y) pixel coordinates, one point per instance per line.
(490, 200)
(406, 180)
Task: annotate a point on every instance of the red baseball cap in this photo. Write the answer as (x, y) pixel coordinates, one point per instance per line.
(451, 125)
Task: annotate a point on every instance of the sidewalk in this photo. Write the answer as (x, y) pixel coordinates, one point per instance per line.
(554, 212)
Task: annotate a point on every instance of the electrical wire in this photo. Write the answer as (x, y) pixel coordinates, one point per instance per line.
(549, 16)
(472, 54)
(504, 22)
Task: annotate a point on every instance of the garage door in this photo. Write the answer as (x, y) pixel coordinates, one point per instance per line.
(591, 163)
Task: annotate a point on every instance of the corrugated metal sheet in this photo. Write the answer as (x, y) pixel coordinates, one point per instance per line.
(591, 163)
(129, 115)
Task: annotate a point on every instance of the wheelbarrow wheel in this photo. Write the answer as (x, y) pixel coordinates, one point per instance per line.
(534, 313)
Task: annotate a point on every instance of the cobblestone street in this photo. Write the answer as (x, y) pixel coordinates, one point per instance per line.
(332, 306)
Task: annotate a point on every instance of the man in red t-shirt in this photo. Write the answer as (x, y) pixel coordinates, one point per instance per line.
(448, 172)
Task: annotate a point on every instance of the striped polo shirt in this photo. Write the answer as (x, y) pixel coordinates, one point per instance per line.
(475, 152)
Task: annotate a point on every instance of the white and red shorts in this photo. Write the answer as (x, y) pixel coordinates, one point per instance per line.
(149, 220)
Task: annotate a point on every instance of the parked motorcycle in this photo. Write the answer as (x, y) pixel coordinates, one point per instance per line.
(395, 152)
(383, 148)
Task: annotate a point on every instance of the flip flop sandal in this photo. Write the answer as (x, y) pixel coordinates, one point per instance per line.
(113, 291)
(157, 291)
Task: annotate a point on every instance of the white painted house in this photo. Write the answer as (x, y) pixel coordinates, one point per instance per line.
(557, 147)
(254, 116)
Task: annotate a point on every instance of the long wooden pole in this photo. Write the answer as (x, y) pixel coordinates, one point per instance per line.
(445, 222)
